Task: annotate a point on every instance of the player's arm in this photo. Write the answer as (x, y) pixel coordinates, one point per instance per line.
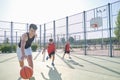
(23, 43)
(43, 50)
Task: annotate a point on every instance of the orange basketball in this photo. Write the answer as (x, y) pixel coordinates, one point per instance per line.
(26, 72)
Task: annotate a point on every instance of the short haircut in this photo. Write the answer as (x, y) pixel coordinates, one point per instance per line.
(50, 40)
(33, 26)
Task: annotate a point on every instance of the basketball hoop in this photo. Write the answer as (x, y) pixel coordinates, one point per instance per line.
(96, 22)
(94, 26)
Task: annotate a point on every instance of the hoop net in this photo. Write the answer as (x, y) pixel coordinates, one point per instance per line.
(94, 26)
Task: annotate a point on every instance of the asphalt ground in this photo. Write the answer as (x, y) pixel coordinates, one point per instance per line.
(80, 67)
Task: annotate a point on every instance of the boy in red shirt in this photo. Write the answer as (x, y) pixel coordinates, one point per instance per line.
(67, 49)
(51, 48)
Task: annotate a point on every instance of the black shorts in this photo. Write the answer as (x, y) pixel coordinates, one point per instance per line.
(52, 53)
(67, 52)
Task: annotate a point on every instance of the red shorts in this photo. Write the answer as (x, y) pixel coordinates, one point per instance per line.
(67, 52)
(52, 53)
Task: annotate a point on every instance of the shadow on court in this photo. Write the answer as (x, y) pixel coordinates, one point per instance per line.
(8, 59)
(106, 68)
(105, 59)
(19, 78)
(53, 74)
(69, 65)
(32, 78)
(70, 62)
(74, 62)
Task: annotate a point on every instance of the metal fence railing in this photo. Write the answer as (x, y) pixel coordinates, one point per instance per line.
(75, 28)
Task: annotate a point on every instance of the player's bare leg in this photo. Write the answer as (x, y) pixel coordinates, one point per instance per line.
(21, 63)
(53, 58)
(30, 61)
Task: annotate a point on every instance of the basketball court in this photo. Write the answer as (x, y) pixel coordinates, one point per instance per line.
(80, 67)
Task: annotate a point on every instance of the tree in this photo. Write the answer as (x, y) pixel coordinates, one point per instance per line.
(63, 40)
(71, 39)
(117, 29)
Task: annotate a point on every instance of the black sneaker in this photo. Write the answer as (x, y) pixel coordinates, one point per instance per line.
(53, 64)
(47, 58)
(32, 78)
(70, 58)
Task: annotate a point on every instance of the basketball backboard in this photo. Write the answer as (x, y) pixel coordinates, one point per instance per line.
(96, 22)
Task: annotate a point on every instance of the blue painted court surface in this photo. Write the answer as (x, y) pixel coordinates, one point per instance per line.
(80, 67)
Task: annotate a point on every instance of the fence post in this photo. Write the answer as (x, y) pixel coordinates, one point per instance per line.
(5, 39)
(44, 41)
(16, 38)
(67, 32)
(109, 23)
(27, 27)
(44, 34)
(11, 36)
(40, 36)
(84, 24)
(54, 31)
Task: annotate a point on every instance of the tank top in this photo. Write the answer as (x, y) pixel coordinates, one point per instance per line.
(51, 48)
(67, 47)
(28, 42)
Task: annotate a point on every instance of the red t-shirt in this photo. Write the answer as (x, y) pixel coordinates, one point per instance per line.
(51, 48)
(67, 47)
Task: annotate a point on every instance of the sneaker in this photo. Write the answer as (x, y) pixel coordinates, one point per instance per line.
(53, 64)
(32, 78)
(70, 58)
(47, 58)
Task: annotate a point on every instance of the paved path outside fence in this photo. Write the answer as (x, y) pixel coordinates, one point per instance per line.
(80, 67)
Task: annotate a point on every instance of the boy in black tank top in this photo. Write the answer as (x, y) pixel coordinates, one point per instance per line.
(24, 46)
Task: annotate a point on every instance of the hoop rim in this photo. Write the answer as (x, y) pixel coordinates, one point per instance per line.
(95, 25)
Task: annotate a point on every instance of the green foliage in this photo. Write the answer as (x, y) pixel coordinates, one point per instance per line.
(77, 46)
(117, 49)
(117, 29)
(97, 41)
(34, 47)
(6, 48)
(63, 40)
(14, 48)
(71, 39)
